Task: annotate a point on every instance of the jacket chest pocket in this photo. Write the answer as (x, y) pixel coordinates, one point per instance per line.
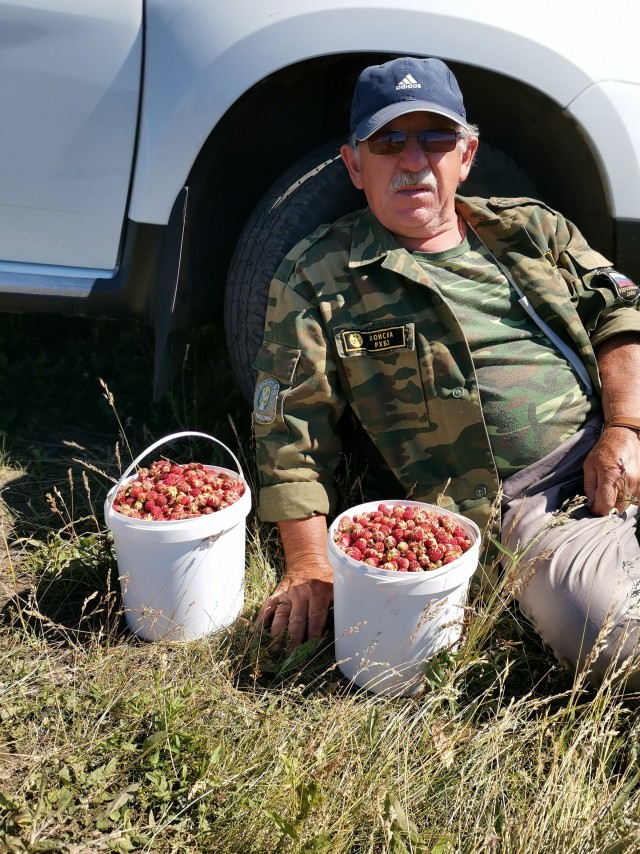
(382, 372)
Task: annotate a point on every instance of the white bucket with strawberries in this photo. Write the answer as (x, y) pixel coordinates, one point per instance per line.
(401, 577)
(179, 533)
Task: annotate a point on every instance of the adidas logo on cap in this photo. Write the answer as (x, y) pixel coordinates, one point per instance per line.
(408, 82)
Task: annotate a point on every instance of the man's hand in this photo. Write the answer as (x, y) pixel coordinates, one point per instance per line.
(298, 606)
(612, 471)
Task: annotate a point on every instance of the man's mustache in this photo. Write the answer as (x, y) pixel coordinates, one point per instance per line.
(424, 177)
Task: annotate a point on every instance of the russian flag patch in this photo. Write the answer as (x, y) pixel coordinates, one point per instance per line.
(625, 289)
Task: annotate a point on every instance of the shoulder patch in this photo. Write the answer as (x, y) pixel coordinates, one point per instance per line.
(266, 401)
(624, 288)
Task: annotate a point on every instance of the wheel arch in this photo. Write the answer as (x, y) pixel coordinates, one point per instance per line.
(274, 124)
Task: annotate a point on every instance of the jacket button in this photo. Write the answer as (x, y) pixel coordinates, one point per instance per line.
(480, 491)
(435, 299)
(458, 392)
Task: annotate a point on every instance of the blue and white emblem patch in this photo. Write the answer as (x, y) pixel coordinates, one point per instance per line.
(266, 401)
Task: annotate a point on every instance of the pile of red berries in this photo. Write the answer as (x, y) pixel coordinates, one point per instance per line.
(402, 538)
(168, 491)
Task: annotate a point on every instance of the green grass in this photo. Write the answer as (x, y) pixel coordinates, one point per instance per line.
(108, 743)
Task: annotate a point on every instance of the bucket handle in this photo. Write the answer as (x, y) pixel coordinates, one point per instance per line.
(165, 441)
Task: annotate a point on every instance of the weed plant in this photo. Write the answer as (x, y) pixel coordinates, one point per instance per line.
(109, 743)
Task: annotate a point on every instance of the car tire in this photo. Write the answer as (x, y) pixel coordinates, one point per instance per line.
(315, 190)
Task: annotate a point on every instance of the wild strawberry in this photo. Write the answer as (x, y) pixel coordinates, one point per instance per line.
(407, 539)
(170, 491)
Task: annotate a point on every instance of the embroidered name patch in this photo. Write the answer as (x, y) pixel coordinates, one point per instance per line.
(373, 340)
(266, 401)
(626, 290)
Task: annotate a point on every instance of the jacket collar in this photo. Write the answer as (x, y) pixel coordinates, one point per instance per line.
(371, 242)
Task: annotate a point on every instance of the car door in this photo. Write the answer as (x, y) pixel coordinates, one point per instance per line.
(71, 72)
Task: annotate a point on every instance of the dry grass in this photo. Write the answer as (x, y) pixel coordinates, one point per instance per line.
(108, 743)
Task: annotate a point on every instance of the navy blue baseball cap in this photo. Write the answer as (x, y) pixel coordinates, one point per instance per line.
(405, 85)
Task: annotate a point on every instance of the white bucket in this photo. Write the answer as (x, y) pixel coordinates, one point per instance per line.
(388, 623)
(181, 579)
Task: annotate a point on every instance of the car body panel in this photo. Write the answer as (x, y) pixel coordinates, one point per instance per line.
(611, 111)
(107, 106)
(71, 72)
(220, 51)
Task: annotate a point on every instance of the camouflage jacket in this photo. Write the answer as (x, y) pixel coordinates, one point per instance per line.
(353, 320)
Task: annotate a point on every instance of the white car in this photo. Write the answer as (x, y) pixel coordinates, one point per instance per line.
(158, 158)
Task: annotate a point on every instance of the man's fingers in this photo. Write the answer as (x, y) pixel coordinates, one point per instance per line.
(266, 613)
(607, 495)
(295, 613)
(317, 620)
(281, 614)
(318, 610)
(297, 628)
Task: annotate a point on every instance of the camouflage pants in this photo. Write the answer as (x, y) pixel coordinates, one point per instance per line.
(580, 577)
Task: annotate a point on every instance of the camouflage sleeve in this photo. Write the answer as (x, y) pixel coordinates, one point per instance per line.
(297, 406)
(616, 322)
(606, 300)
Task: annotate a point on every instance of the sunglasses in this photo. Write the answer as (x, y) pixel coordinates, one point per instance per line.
(430, 141)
